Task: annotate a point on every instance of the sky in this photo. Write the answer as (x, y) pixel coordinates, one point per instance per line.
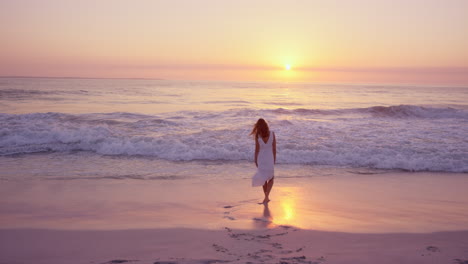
(363, 41)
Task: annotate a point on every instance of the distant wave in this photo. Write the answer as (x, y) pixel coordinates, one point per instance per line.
(227, 102)
(381, 139)
(283, 103)
(27, 94)
(399, 111)
(402, 111)
(118, 177)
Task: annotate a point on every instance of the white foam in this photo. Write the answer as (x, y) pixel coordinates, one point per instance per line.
(416, 144)
(398, 111)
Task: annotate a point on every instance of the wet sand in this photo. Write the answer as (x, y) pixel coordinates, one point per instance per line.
(341, 200)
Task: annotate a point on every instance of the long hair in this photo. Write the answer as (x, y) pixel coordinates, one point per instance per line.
(260, 129)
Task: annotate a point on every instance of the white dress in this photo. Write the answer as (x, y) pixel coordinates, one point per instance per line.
(265, 160)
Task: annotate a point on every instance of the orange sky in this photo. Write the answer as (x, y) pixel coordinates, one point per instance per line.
(415, 41)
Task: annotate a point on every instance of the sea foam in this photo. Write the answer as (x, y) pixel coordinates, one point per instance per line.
(397, 137)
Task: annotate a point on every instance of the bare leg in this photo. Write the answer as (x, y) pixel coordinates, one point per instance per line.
(265, 188)
(268, 185)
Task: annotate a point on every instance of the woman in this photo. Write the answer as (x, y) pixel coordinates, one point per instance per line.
(265, 157)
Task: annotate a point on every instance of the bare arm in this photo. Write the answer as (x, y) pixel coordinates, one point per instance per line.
(257, 149)
(274, 148)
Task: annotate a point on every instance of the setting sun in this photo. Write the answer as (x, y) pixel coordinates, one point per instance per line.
(288, 67)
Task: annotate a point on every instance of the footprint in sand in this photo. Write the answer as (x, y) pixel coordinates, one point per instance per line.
(266, 238)
(432, 249)
(274, 251)
(300, 260)
(220, 248)
(227, 213)
(321, 258)
(119, 261)
(212, 261)
(277, 245)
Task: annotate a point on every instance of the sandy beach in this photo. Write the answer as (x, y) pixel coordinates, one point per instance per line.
(336, 216)
(283, 244)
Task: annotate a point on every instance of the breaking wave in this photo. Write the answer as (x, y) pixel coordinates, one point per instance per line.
(368, 141)
(399, 111)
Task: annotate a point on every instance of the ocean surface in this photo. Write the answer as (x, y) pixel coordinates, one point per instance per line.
(130, 154)
(389, 127)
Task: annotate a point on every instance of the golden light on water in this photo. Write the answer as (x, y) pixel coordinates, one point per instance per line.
(287, 216)
(288, 210)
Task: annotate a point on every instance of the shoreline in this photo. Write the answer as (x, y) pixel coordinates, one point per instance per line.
(283, 244)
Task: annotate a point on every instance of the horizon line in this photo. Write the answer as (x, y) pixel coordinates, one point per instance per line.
(242, 81)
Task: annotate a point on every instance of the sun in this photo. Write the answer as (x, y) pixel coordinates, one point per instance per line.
(287, 67)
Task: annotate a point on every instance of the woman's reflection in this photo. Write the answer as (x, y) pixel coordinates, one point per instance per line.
(266, 221)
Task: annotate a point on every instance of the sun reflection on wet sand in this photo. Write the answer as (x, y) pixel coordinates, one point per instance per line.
(287, 215)
(285, 210)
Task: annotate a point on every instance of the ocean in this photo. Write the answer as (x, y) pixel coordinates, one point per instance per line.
(100, 154)
(390, 127)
